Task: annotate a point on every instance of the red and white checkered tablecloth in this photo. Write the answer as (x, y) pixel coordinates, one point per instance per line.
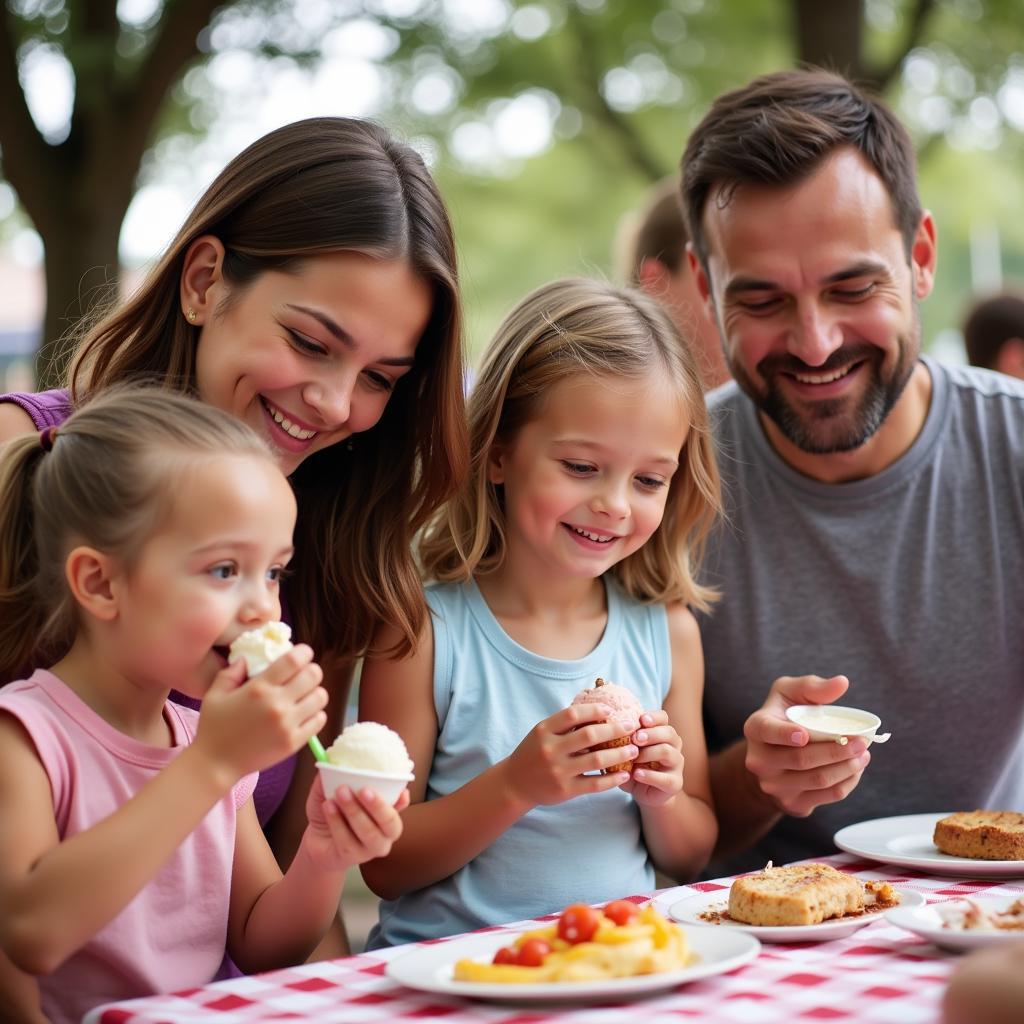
(880, 974)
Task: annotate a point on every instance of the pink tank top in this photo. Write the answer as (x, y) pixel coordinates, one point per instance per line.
(172, 935)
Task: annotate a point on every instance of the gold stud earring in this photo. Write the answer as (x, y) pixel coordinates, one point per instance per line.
(191, 314)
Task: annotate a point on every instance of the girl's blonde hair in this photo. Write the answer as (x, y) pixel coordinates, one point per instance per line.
(563, 329)
(325, 185)
(106, 478)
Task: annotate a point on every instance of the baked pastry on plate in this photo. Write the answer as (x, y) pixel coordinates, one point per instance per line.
(981, 835)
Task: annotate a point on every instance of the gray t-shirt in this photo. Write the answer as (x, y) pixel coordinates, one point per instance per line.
(910, 582)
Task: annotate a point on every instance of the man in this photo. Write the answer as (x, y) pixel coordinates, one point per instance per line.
(994, 334)
(658, 265)
(874, 548)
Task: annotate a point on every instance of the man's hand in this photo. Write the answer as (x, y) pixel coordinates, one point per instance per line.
(795, 774)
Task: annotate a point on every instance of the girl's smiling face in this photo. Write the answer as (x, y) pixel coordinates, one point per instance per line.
(585, 482)
(307, 356)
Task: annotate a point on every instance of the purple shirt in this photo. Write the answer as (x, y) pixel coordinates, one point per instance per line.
(51, 409)
(47, 408)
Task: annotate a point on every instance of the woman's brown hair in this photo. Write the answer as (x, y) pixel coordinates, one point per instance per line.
(563, 329)
(317, 186)
(105, 478)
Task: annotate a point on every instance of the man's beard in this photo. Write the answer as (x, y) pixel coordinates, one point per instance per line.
(833, 425)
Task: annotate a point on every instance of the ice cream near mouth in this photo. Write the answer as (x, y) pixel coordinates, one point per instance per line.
(370, 746)
(626, 710)
(261, 647)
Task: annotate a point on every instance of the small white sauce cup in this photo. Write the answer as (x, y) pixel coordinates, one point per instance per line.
(813, 718)
(388, 787)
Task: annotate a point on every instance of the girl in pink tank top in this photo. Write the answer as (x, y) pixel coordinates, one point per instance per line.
(137, 541)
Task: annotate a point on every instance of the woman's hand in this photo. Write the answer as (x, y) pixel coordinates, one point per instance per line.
(657, 775)
(548, 766)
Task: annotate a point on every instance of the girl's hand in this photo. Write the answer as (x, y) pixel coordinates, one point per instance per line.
(245, 726)
(657, 775)
(548, 766)
(352, 828)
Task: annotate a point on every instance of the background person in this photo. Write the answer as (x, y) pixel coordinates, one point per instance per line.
(987, 987)
(872, 553)
(653, 242)
(994, 333)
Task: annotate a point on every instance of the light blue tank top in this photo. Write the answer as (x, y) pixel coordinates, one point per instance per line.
(489, 692)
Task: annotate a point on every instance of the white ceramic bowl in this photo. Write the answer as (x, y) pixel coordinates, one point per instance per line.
(388, 787)
(839, 724)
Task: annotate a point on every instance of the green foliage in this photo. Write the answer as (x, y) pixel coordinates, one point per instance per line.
(521, 222)
(622, 82)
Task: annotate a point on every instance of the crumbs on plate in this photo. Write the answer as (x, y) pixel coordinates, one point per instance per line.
(967, 915)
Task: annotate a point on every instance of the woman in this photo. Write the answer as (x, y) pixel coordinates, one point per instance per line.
(312, 292)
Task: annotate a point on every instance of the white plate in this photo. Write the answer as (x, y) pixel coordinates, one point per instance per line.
(688, 910)
(429, 969)
(926, 922)
(906, 840)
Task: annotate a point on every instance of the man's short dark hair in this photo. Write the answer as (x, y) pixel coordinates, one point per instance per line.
(778, 129)
(990, 323)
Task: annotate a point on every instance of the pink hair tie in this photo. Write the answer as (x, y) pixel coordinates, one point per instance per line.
(46, 438)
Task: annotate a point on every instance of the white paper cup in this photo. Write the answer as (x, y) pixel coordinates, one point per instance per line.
(815, 719)
(387, 787)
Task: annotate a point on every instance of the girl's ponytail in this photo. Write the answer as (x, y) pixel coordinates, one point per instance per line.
(23, 610)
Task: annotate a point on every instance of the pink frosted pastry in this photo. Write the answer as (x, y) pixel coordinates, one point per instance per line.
(626, 710)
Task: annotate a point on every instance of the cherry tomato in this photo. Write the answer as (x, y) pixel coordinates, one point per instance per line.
(620, 911)
(532, 953)
(578, 923)
(505, 955)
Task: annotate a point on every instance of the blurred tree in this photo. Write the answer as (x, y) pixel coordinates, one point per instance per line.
(607, 63)
(621, 83)
(575, 106)
(75, 181)
(76, 190)
(832, 36)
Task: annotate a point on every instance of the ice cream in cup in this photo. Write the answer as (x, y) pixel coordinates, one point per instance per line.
(367, 755)
(828, 722)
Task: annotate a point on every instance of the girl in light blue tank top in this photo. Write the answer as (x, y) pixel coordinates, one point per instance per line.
(569, 555)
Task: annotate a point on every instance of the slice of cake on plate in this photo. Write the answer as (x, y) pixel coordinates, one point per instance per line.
(799, 894)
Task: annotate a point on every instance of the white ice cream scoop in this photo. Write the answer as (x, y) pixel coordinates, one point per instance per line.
(367, 754)
(259, 648)
(829, 722)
